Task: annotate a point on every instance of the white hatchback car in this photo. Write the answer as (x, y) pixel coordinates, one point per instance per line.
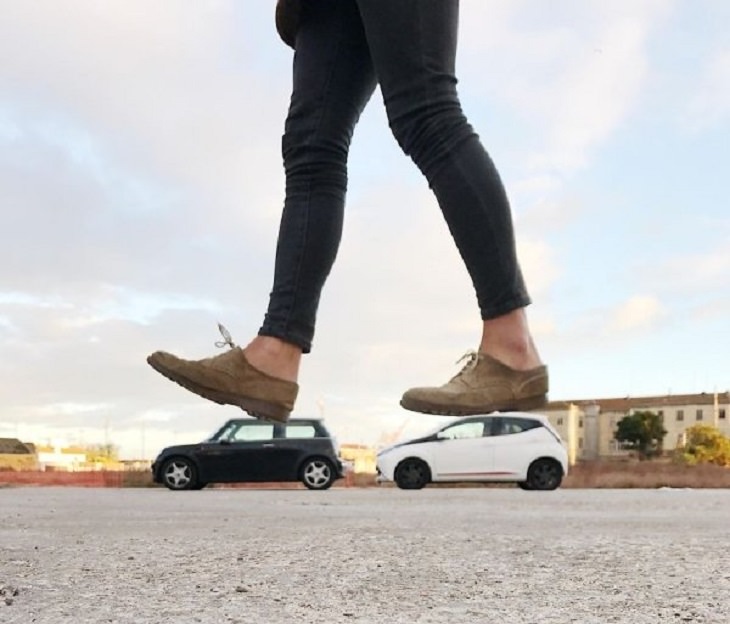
(508, 447)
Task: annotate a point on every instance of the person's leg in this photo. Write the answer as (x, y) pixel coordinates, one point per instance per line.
(413, 47)
(333, 80)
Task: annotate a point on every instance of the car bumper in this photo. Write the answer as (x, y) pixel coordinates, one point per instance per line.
(384, 470)
(346, 467)
(153, 468)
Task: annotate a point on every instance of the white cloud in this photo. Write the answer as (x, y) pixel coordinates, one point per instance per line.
(539, 266)
(121, 303)
(574, 71)
(706, 271)
(716, 309)
(535, 187)
(14, 298)
(713, 266)
(710, 104)
(128, 97)
(66, 409)
(637, 312)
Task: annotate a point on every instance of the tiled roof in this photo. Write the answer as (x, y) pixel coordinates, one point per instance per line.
(628, 403)
(13, 446)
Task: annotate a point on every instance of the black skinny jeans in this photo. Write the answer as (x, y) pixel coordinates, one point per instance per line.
(344, 48)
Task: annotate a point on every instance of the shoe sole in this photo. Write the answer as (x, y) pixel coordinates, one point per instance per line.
(257, 408)
(518, 405)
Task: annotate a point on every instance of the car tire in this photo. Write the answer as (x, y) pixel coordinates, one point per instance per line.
(179, 473)
(544, 474)
(412, 474)
(317, 473)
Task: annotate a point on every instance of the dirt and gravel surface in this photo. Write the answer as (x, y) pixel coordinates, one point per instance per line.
(364, 556)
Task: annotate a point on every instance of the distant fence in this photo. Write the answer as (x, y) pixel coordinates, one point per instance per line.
(96, 478)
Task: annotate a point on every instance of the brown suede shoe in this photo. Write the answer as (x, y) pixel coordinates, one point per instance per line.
(484, 385)
(229, 379)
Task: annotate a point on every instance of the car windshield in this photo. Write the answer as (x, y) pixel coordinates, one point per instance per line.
(432, 431)
(224, 433)
(242, 431)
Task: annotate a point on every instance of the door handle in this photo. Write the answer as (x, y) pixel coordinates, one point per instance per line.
(269, 445)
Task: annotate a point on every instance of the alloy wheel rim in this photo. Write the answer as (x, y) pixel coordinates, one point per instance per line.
(317, 473)
(178, 474)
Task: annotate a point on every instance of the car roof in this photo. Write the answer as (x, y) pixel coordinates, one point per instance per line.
(528, 415)
(291, 421)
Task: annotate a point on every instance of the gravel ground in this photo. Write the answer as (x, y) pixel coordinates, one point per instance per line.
(364, 556)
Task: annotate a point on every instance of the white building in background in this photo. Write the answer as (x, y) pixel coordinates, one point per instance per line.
(588, 425)
(60, 458)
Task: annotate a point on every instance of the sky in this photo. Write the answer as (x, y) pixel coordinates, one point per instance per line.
(141, 186)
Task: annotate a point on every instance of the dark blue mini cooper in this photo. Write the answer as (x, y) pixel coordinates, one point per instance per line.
(247, 450)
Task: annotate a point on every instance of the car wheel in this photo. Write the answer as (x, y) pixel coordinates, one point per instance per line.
(317, 474)
(544, 474)
(179, 473)
(412, 474)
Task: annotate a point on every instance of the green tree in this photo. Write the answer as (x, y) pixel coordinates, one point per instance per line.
(706, 444)
(642, 431)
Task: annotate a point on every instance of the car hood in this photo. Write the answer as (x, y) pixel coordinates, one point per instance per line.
(185, 448)
(426, 438)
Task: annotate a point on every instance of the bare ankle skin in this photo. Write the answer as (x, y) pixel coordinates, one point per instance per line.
(274, 357)
(507, 338)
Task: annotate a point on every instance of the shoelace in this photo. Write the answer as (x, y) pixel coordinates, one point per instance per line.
(472, 357)
(227, 340)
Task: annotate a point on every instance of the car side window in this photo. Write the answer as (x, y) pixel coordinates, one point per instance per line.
(491, 427)
(252, 432)
(300, 431)
(463, 431)
(511, 425)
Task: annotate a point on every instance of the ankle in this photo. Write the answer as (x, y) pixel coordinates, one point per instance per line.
(517, 356)
(507, 338)
(274, 357)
